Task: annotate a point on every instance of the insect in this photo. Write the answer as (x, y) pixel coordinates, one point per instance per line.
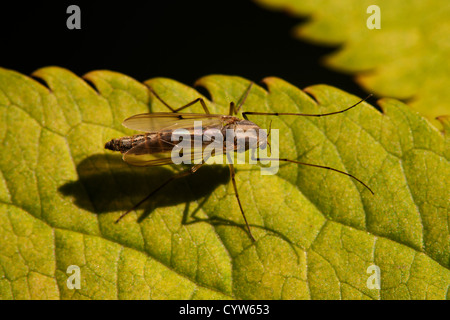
(153, 147)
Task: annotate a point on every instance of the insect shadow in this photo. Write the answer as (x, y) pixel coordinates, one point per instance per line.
(107, 184)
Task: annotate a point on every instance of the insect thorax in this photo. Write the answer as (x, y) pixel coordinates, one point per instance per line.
(244, 135)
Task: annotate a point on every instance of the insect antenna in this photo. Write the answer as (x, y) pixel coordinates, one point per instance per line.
(244, 114)
(318, 166)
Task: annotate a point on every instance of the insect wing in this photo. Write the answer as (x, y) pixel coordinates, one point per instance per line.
(157, 151)
(144, 160)
(135, 158)
(159, 121)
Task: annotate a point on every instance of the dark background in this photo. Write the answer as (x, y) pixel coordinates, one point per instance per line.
(180, 39)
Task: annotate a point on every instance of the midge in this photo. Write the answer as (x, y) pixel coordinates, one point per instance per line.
(154, 146)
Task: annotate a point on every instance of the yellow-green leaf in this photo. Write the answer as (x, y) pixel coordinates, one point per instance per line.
(317, 231)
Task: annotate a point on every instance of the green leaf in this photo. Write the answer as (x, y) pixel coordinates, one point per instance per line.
(406, 59)
(317, 231)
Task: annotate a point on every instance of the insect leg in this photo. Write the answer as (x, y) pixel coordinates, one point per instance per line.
(244, 97)
(244, 114)
(202, 102)
(192, 170)
(316, 166)
(232, 174)
(233, 110)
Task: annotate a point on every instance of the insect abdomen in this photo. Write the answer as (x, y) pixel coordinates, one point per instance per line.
(124, 144)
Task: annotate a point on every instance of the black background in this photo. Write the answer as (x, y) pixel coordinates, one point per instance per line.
(180, 39)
